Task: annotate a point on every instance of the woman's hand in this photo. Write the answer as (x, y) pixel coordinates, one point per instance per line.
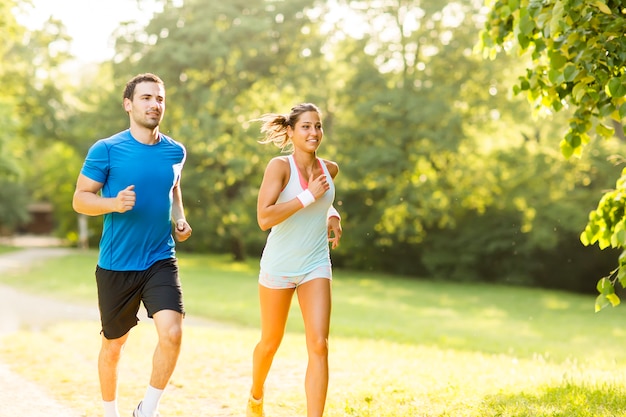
(334, 231)
(318, 186)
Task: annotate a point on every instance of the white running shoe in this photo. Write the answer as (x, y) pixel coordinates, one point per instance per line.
(137, 412)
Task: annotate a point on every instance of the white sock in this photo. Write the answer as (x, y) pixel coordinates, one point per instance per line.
(150, 403)
(110, 408)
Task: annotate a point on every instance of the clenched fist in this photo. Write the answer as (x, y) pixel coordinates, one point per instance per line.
(125, 199)
(183, 230)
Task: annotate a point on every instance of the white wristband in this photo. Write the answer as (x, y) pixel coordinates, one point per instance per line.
(306, 198)
(332, 212)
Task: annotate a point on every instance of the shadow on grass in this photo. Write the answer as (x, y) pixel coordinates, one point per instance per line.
(566, 400)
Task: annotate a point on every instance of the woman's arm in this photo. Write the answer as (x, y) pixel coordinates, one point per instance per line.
(275, 178)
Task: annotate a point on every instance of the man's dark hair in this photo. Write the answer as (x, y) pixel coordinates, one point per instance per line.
(129, 91)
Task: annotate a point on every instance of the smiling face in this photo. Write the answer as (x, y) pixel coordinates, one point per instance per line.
(308, 132)
(147, 106)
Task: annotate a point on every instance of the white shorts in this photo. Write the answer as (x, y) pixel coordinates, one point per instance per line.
(279, 282)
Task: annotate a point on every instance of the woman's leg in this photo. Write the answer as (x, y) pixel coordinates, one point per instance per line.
(275, 304)
(315, 303)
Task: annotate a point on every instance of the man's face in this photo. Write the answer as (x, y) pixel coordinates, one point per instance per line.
(147, 106)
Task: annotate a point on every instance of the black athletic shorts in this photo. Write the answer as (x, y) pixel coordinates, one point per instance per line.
(120, 294)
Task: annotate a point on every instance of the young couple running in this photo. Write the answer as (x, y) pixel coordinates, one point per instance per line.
(133, 179)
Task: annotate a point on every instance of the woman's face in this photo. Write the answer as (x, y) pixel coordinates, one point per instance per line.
(307, 133)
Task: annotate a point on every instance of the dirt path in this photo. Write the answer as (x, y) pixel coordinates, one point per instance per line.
(18, 310)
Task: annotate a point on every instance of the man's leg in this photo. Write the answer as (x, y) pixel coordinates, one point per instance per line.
(169, 329)
(169, 326)
(108, 360)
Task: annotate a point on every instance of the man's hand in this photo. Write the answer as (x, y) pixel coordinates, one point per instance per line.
(125, 199)
(183, 230)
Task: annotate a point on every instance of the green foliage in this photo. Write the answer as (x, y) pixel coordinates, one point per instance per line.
(528, 234)
(410, 135)
(443, 189)
(578, 59)
(12, 195)
(31, 111)
(606, 227)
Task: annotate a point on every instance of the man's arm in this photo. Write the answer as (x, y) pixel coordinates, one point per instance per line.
(182, 230)
(88, 201)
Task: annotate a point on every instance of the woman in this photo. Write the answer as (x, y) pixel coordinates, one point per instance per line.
(295, 201)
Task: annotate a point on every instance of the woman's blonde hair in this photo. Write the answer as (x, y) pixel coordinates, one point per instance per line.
(275, 125)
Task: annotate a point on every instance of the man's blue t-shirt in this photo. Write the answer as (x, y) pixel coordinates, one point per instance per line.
(136, 239)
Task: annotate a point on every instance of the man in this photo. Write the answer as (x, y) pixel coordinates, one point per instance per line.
(133, 179)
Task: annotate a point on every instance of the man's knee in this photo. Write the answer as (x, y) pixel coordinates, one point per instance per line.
(112, 348)
(172, 335)
(169, 326)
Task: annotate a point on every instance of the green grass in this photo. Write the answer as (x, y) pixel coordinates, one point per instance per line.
(399, 347)
(7, 249)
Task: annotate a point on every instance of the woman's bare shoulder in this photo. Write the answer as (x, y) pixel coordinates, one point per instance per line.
(332, 167)
(278, 162)
(278, 165)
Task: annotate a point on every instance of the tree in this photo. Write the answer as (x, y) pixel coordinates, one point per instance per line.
(12, 198)
(577, 53)
(424, 166)
(30, 107)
